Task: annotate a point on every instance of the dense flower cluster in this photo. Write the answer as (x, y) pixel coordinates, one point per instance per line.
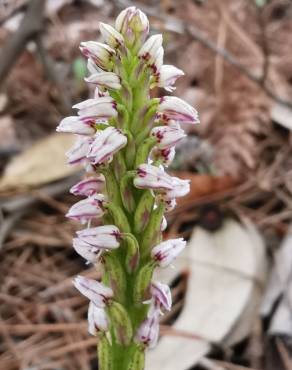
(124, 141)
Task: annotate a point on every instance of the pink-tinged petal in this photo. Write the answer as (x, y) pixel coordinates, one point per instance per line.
(87, 209)
(148, 332)
(89, 186)
(76, 125)
(77, 154)
(100, 109)
(89, 253)
(100, 53)
(106, 144)
(161, 295)
(174, 108)
(165, 252)
(96, 292)
(97, 319)
(108, 80)
(111, 35)
(167, 136)
(102, 237)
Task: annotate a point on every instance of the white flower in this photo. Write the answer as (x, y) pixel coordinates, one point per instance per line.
(109, 80)
(155, 178)
(100, 53)
(96, 292)
(89, 253)
(167, 136)
(110, 35)
(77, 154)
(87, 209)
(167, 76)
(173, 108)
(97, 319)
(161, 295)
(165, 252)
(88, 186)
(76, 125)
(100, 109)
(148, 331)
(104, 237)
(105, 145)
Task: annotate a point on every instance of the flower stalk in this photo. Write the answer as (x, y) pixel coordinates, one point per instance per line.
(124, 140)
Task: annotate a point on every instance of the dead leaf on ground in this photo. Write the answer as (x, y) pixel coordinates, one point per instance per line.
(44, 162)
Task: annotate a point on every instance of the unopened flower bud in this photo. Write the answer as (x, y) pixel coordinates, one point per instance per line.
(76, 125)
(106, 144)
(133, 24)
(97, 319)
(100, 53)
(96, 292)
(88, 208)
(165, 252)
(88, 186)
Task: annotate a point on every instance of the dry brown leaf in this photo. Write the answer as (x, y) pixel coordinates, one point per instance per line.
(225, 277)
(42, 163)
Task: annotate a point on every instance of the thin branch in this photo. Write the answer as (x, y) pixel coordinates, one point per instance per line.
(186, 28)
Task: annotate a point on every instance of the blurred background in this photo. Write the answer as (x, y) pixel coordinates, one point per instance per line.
(232, 287)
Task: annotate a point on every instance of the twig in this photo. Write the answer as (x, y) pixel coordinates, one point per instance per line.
(185, 28)
(30, 26)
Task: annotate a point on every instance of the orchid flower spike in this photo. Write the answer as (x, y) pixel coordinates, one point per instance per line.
(125, 139)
